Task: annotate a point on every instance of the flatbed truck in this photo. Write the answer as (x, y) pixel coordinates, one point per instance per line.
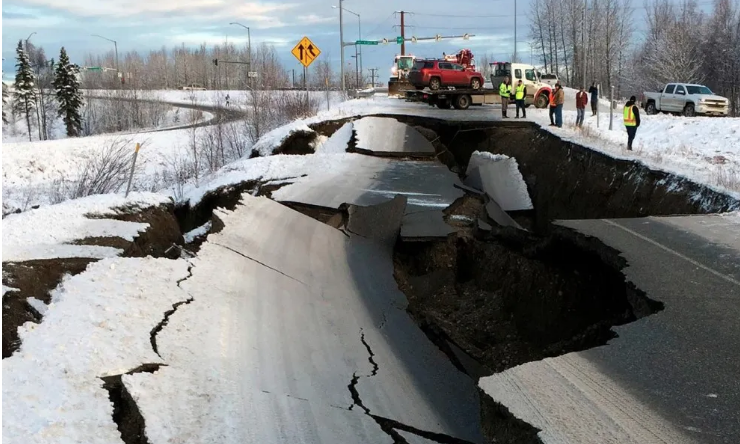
(454, 98)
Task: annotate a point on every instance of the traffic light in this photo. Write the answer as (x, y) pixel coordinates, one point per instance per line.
(215, 62)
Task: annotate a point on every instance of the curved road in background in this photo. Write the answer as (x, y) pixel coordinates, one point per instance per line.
(221, 114)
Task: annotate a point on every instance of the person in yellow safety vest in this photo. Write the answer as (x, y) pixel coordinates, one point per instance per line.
(631, 120)
(504, 90)
(519, 95)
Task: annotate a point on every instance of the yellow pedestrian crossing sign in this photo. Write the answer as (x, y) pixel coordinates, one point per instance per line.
(305, 51)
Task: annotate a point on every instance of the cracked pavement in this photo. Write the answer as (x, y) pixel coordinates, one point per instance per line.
(293, 337)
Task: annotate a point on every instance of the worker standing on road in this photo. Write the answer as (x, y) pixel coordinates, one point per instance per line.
(504, 90)
(581, 101)
(520, 94)
(594, 91)
(559, 101)
(631, 120)
(553, 106)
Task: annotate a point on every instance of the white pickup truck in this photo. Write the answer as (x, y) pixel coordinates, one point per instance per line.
(687, 99)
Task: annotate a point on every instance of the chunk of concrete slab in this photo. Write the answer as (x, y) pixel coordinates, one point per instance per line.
(500, 178)
(382, 136)
(381, 222)
(424, 225)
(500, 216)
(338, 142)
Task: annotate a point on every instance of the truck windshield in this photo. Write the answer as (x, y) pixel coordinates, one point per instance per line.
(698, 89)
(405, 63)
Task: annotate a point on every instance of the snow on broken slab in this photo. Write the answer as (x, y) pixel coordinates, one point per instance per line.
(48, 232)
(98, 324)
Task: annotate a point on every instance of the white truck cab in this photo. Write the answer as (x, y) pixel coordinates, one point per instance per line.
(537, 92)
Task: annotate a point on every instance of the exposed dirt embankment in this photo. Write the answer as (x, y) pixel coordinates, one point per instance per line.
(509, 297)
(568, 181)
(36, 278)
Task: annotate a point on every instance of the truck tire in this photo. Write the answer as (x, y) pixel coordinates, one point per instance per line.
(462, 101)
(688, 110)
(650, 109)
(541, 102)
(435, 83)
(475, 83)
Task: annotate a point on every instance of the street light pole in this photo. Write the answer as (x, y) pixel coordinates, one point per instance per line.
(359, 28)
(29, 38)
(115, 45)
(249, 51)
(249, 42)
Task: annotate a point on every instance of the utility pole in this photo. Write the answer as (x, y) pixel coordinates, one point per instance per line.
(341, 47)
(372, 76)
(403, 34)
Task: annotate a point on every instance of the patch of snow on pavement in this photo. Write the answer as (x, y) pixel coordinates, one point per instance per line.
(46, 232)
(98, 324)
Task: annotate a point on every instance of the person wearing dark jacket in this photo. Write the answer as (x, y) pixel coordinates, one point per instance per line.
(594, 91)
(631, 120)
(581, 101)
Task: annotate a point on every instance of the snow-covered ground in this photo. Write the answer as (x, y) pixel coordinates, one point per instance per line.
(17, 130)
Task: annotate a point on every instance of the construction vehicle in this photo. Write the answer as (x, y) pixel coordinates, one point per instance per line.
(398, 83)
(538, 93)
(463, 57)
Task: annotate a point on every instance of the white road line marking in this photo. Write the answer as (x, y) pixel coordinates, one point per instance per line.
(686, 258)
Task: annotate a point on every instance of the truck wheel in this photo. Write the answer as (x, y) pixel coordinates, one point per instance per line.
(435, 84)
(475, 83)
(541, 102)
(650, 109)
(462, 101)
(688, 111)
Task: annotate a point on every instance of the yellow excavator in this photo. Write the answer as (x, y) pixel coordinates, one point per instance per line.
(398, 83)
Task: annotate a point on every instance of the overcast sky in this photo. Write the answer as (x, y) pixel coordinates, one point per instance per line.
(149, 24)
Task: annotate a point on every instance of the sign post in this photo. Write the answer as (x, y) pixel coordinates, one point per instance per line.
(306, 52)
(133, 166)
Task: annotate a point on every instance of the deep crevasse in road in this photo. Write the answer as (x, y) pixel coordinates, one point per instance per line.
(266, 351)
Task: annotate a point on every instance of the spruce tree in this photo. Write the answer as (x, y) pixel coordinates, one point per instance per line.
(24, 97)
(67, 85)
(5, 101)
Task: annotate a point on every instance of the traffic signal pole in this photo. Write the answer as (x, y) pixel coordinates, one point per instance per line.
(403, 34)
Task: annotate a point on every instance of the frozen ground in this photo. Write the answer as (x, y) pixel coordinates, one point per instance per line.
(50, 231)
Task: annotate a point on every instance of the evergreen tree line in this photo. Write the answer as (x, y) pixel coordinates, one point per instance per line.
(681, 43)
(38, 84)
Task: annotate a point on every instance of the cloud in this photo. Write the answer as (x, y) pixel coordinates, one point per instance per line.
(202, 9)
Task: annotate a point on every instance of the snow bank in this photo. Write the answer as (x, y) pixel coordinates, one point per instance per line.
(703, 149)
(273, 139)
(46, 232)
(98, 324)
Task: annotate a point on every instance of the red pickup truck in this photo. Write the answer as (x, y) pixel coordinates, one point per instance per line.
(437, 74)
